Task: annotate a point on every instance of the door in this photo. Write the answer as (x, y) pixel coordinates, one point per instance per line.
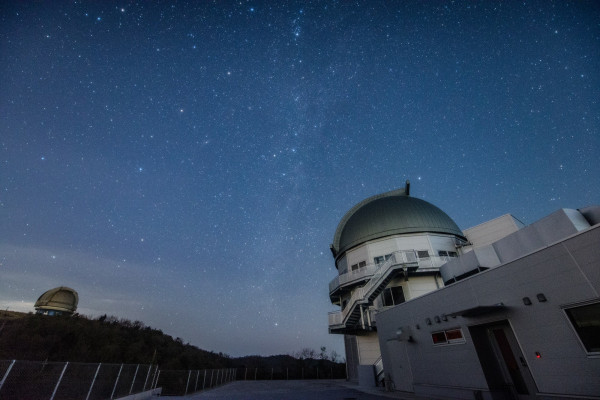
(400, 372)
(513, 365)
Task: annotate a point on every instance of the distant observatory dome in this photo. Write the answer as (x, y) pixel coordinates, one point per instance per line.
(57, 301)
(387, 214)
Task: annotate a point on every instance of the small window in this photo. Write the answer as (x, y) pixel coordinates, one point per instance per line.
(452, 254)
(438, 337)
(454, 335)
(362, 264)
(381, 259)
(354, 267)
(422, 254)
(442, 253)
(586, 321)
(450, 336)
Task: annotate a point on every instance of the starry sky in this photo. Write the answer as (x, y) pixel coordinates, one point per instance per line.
(186, 163)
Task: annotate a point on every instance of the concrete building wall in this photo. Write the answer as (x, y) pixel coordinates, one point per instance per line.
(544, 232)
(567, 273)
(357, 255)
(432, 243)
(352, 360)
(492, 231)
(419, 286)
(342, 265)
(441, 242)
(381, 248)
(368, 348)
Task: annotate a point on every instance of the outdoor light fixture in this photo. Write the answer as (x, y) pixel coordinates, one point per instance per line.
(527, 301)
(404, 333)
(428, 321)
(541, 298)
(437, 319)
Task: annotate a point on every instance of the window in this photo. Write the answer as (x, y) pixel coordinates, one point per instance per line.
(392, 296)
(444, 253)
(449, 336)
(439, 337)
(586, 321)
(381, 259)
(359, 265)
(422, 254)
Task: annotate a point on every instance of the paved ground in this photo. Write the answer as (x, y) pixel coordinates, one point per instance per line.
(295, 390)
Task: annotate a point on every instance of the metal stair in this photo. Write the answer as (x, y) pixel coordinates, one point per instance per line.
(365, 295)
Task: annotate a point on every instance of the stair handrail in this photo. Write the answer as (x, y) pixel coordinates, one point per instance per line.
(360, 293)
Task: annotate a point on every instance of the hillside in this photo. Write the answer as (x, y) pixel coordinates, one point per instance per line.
(106, 340)
(111, 340)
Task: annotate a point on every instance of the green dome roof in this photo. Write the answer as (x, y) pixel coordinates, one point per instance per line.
(388, 214)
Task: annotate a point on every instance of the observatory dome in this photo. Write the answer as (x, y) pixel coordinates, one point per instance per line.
(60, 300)
(388, 214)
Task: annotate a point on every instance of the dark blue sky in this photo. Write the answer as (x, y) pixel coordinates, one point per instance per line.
(186, 164)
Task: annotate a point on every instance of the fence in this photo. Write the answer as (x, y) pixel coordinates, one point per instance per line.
(84, 381)
(292, 373)
(182, 382)
(71, 380)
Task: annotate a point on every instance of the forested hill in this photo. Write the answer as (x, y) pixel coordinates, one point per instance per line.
(110, 340)
(106, 340)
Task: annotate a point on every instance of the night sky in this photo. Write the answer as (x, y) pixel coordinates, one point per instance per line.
(186, 163)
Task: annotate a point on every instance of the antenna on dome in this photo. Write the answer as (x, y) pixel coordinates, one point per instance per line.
(407, 188)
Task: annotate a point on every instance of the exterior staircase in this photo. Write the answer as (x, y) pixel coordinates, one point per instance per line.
(352, 316)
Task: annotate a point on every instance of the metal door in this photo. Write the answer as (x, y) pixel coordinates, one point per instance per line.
(512, 363)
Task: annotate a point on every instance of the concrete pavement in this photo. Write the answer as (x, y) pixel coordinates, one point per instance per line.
(296, 390)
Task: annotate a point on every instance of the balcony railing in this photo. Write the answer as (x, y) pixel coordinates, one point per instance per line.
(352, 276)
(335, 318)
(364, 273)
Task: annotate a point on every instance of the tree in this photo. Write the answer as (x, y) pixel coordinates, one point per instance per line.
(323, 353)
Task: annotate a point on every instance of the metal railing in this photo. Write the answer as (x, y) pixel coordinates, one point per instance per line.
(425, 264)
(360, 295)
(433, 262)
(398, 257)
(184, 382)
(95, 381)
(335, 318)
(73, 380)
(352, 276)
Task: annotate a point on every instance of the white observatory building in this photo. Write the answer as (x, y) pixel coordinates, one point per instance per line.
(387, 249)
(497, 311)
